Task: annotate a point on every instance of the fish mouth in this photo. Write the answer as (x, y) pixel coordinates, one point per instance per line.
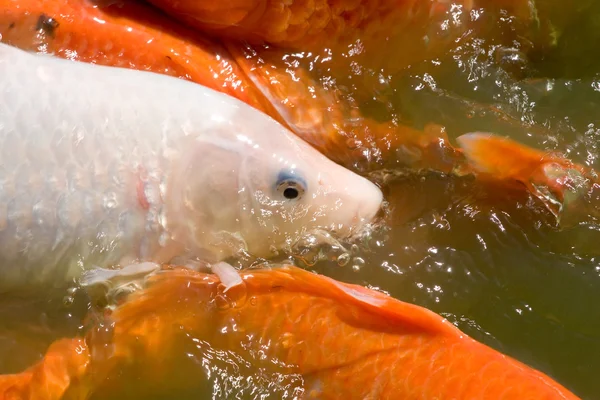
(368, 217)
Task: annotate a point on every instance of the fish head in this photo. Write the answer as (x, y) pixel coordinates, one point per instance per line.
(292, 190)
(259, 187)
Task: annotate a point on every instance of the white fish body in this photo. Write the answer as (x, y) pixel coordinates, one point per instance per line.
(103, 165)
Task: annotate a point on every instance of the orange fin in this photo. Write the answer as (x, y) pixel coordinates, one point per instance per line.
(394, 311)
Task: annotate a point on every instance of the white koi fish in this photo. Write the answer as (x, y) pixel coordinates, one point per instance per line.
(104, 166)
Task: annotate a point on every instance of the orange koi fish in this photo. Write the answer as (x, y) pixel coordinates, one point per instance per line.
(345, 341)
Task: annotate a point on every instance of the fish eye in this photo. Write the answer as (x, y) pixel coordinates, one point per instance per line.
(290, 185)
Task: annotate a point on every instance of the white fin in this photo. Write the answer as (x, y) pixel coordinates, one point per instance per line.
(228, 275)
(103, 276)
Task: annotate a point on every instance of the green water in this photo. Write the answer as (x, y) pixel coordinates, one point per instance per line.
(489, 260)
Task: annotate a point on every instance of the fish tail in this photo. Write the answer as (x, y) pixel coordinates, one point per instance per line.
(560, 184)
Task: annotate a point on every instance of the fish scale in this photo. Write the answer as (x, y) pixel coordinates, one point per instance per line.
(68, 182)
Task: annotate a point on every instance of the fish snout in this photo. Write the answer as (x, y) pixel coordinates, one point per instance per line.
(370, 204)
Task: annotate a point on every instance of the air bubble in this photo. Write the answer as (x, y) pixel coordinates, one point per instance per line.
(68, 301)
(343, 259)
(358, 263)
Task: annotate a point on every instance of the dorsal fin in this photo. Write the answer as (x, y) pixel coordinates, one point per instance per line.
(375, 303)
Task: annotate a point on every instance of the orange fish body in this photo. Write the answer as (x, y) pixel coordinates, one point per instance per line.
(306, 25)
(345, 341)
(346, 36)
(301, 25)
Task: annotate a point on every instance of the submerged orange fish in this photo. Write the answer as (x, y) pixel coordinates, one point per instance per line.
(344, 340)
